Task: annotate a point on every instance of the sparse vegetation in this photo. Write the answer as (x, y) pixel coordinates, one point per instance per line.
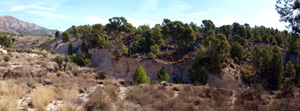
(230, 67)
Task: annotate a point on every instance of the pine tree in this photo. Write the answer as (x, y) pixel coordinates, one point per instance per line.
(257, 57)
(238, 52)
(217, 50)
(162, 75)
(140, 76)
(197, 72)
(66, 36)
(276, 69)
(290, 70)
(76, 33)
(155, 49)
(70, 48)
(83, 47)
(57, 34)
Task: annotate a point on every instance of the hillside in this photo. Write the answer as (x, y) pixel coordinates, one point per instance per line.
(14, 25)
(35, 83)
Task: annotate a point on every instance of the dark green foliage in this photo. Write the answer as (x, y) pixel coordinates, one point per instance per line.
(274, 41)
(197, 72)
(118, 48)
(182, 35)
(238, 52)
(6, 58)
(286, 10)
(293, 44)
(257, 56)
(207, 25)
(217, 50)
(152, 56)
(246, 74)
(97, 38)
(238, 29)
(63, 63)
(155, 49)
(70, 49)
(239, 39)
(276, 69)
(5, 41)
(140, 76)
(298, 65)
(81, 60)
(83, 47)
(57, 34)
(118, 24)
(290, 70)
(162, 75)
(225, 29)
(157, 35)
(76, 33)
(66, 37)
(144, 38)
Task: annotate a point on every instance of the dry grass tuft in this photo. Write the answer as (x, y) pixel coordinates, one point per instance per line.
(102, 98)
(9, 94)
(42, 96)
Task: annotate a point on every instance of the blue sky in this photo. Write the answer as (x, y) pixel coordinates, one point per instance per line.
(62, 14)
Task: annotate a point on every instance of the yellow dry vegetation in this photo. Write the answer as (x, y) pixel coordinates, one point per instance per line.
(9, 94)
(42, 96)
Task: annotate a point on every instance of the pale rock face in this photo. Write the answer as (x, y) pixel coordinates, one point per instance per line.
(63, 49)
(126, 66)
(2, 51)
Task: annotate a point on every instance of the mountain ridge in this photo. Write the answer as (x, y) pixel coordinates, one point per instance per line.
(11, 24)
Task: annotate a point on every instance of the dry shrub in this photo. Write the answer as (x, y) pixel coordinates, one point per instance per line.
(144, 94)
(70, 108)
(285, 105)
(159, 98)
(9, 94)
(102, 98)
(204, 96)
(42, 96)
(70, 98)
(250, 100)
(286, 93)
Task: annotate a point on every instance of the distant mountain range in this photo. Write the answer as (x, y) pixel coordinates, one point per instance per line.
(14, 25)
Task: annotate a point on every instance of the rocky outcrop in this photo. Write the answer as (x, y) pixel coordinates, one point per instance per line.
(62, 48)
(124, 67)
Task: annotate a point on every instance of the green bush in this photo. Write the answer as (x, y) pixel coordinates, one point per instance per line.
(162, 75)
(81, 60)
(140, 76)
(59, 60)
(5, 41)
(238, 52)
(70, 49)
(152, 56)
(66, 36)
(6, 58)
